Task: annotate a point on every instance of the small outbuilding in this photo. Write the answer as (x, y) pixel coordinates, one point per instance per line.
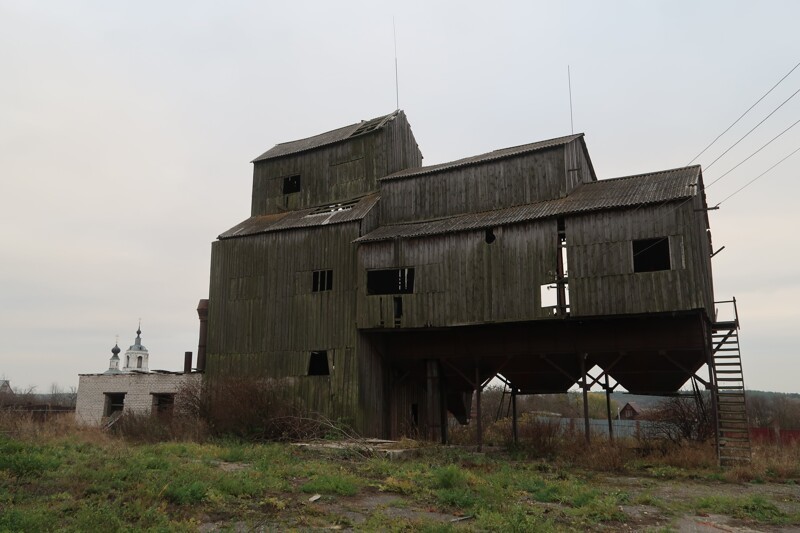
(132, 389)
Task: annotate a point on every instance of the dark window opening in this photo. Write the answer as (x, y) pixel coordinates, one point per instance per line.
(291, 184)
(115, 402)
(650, 255)
(139, 362)
(163, 404)
(490, 238)
(318, 364)
(390, 281)
(398, 307)
(322, 280)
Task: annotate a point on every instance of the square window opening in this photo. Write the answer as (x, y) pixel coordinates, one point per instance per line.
(318, 364)
(322, 280)
(651, 255)
(390, 281)
(163, 404)
(291, 184)
(115, 402)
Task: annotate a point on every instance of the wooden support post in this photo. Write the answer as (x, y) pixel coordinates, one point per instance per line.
(608, 412)
(478, 423)
(586, 428)
(443, 405)
(514, 415)
(434, 395)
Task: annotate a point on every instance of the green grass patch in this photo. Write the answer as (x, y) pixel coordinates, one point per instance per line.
(755, 508)
(341, 484)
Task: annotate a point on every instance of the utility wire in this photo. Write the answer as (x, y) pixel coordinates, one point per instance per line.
(753, 129)
(681, 204)
(740, 189)
(742, 115)
(751, 155)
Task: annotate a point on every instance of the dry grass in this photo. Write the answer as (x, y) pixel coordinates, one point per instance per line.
(22, 425)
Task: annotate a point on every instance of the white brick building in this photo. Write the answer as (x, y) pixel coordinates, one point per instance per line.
(134, 389)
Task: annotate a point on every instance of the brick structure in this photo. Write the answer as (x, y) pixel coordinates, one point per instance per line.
(134, 389)
(101, 395)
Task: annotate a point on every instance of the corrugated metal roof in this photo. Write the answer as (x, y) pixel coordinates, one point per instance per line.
(483, 158)
(323, 139)
(305, 218)
(628, 191)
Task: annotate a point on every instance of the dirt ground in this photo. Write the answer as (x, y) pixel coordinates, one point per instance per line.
(394, 511)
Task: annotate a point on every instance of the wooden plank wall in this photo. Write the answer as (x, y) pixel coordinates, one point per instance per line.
(329, 174)
(578, 168)
(460, 279)
(513, 181)
(336, 172)
(600, 261)
(401, 146)
(264, 319)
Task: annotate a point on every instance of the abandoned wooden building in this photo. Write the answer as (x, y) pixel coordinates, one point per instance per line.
(384, 292)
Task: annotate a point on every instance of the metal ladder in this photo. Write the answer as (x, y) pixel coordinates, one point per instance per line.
(733, 437)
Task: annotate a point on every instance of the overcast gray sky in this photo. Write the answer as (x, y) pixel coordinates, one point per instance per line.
(126, 131)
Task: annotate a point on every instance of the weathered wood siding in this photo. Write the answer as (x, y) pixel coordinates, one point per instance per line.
(523, 179)
(460, 279)
(336, 172)
(600, 261)
(264, 319)
(578, 166)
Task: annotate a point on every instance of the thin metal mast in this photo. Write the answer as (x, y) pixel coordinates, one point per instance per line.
(396, 80)
(569, 82)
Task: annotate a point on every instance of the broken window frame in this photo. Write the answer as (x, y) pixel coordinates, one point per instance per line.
(318, 363)
(291, 184)
(385, 281)
(322, 280)
(651, 255)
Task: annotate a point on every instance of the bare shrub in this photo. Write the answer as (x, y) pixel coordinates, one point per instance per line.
(679, 419)
(255, 409)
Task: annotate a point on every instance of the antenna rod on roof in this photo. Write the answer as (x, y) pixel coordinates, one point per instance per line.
(396, 81)
(569, 83)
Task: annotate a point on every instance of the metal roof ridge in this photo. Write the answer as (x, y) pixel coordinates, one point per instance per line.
(383, 120)
(676, 169)
(484, 157)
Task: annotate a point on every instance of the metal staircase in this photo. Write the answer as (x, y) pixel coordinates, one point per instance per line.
(733, 437)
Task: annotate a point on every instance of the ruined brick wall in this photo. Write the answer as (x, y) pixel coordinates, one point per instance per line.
(138, 390)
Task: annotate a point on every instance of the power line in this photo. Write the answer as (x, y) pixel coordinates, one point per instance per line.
(740, 189)
(742, 115)
(754, 153)
(753, 129)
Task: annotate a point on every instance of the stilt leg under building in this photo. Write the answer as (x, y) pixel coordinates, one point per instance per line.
(585, 386)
